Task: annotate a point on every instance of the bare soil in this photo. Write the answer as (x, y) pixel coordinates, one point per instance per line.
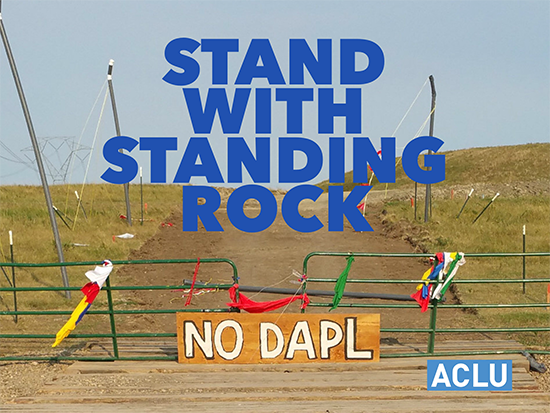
(263, 259)
(268, 258)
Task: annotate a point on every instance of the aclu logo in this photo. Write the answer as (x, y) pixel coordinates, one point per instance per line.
(470, 375)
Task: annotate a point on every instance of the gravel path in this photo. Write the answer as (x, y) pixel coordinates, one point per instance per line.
(543, 379)
(19, 379)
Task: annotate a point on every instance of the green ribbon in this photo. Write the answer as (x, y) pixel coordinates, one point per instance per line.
(447, 282)
(341, 284)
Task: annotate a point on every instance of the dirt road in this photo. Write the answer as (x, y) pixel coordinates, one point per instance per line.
(263, 259)
(268, 258)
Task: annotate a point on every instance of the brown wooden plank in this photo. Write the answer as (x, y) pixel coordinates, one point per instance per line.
(349, 406)
(457, 399)
(256, 382)
(301, 338)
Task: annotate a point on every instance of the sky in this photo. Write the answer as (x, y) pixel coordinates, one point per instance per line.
(490, 61)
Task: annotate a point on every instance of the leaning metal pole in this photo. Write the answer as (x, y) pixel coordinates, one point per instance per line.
(428, 200)
(117, 128)
(37, 154)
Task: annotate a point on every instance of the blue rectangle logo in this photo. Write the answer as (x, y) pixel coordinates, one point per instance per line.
(468, 375)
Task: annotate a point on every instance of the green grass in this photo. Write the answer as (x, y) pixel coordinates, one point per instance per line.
(23, 211)
(498, 230)
(499, 164)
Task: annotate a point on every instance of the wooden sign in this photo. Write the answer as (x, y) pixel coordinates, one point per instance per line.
(242, 338)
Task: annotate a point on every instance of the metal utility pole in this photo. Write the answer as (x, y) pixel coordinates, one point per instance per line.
(37, 154)
(415, 195)
(428, 200)
(141, 191)
(117, 128)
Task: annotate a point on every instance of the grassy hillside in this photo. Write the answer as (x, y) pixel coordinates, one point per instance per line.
(23, 211)
(500, 164)
(498, 230)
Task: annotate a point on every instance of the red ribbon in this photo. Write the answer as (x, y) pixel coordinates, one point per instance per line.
(193, 283)
(90, 290)
(252, 306)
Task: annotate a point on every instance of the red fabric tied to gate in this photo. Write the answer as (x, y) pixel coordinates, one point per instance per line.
(423, 301)
(188, 301)
(90, 290)
(251, 306)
